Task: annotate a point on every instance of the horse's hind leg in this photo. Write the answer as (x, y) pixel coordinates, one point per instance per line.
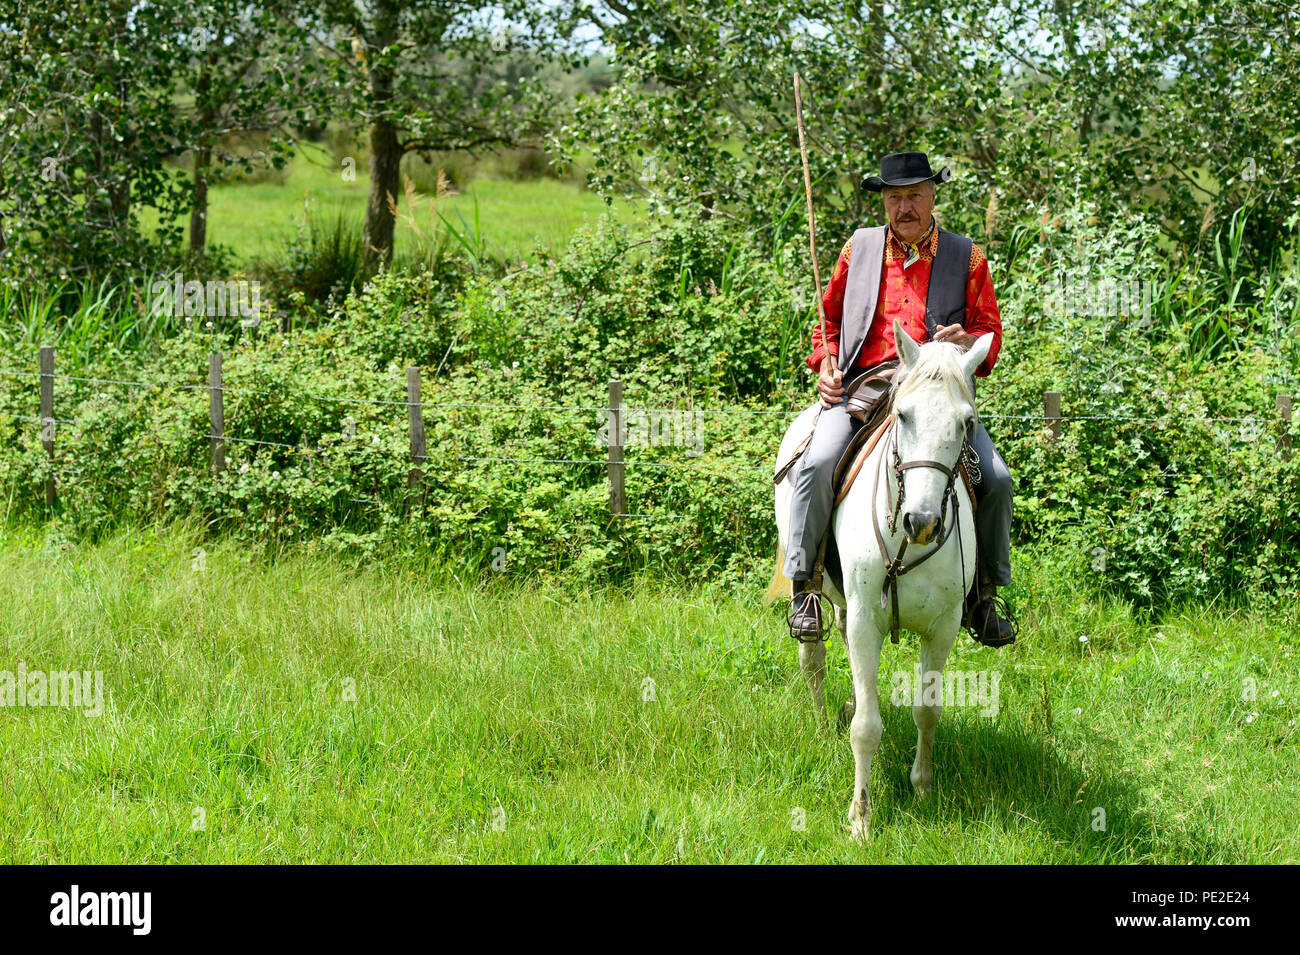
(864, 643)
(812, 660)
(926, 712)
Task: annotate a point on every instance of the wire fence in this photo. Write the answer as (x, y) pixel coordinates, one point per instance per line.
(1046, 424)
(485, 406)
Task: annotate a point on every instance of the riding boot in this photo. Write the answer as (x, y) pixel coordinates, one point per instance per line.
(805, 612)
(985, 610)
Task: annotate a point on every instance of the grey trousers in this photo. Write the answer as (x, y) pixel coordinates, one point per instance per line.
(810, 506)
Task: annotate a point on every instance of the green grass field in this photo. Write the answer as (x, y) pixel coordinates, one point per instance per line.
(259, 220)
(508, 721)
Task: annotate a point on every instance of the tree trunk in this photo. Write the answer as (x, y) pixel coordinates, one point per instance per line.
(385, 165)
(207, 116)
(120, 194)
(199, 212)
(95, 212)
(385, 150)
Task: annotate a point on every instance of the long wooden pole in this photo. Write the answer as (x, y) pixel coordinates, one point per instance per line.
(812, 222)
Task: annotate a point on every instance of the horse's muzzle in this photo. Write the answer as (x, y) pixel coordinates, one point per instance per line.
(920, 526)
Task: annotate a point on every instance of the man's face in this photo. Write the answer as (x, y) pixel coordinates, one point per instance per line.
(909, 209)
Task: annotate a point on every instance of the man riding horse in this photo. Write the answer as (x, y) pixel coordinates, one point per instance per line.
(922, 266)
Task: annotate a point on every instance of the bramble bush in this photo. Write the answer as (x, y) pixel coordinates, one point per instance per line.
(1161, 506)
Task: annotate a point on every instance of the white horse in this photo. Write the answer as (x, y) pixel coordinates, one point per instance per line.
(933, 404)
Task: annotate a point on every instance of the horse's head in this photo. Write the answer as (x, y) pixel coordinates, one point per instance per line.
(933, 400)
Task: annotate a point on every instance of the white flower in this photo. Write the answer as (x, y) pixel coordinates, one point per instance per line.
(1083, 638)
(1251, 717)
(1078, 711)
(514, 364)
(1275, 692)
(1159, 635)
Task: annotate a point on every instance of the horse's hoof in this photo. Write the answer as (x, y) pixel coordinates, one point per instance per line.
(860, 829)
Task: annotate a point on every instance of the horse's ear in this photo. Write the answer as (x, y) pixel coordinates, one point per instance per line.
(908, 349)
(978, 352)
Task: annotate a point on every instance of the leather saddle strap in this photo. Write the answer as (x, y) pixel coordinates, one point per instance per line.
(861, 459)
(798, 452)
(947, 472)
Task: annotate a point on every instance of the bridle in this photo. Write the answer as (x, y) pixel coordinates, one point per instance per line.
(894, 566)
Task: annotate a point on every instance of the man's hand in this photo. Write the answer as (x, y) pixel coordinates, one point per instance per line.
(829, 385)
(955, 334)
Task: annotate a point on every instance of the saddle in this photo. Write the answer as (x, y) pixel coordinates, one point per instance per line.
(865, 398)
(855, 454)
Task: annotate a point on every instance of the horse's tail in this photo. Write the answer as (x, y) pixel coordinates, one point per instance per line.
(780, 585)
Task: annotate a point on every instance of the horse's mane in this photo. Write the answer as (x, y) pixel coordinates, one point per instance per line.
(938, 361)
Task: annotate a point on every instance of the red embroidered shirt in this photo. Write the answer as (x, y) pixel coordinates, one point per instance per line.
(902, 296)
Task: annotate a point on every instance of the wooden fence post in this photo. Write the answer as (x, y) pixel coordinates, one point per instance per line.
(1283, 405)
(47, 414)
(1052, 413)
(216, 414)
(617, 496)
(415, 416)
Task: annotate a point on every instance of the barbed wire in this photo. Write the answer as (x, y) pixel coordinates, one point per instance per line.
(625, 408)
(741, 469)
(763, 471)
(98, 381)
(31, 417)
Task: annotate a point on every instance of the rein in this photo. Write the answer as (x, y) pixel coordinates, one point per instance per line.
(894, 566)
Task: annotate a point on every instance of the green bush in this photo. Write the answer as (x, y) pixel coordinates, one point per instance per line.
(1148, 485)
(325, 262)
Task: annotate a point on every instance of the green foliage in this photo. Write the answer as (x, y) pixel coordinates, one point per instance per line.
(84, 132)
(1181, 109)
(1157, 484)
(1167, 473)
(324, 263)
(401, 319)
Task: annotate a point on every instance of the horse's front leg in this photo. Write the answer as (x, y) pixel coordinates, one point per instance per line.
(928, 703)
(812, 660)
(864, 642)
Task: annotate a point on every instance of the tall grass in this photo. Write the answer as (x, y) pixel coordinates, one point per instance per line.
(1215, 306)
(325, 262)
(84, 321)
(300, 709)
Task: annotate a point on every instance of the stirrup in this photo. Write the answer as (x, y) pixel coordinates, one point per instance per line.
(816, 613)
(999, 606)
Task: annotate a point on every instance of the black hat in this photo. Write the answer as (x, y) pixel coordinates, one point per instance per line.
(905, 169)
